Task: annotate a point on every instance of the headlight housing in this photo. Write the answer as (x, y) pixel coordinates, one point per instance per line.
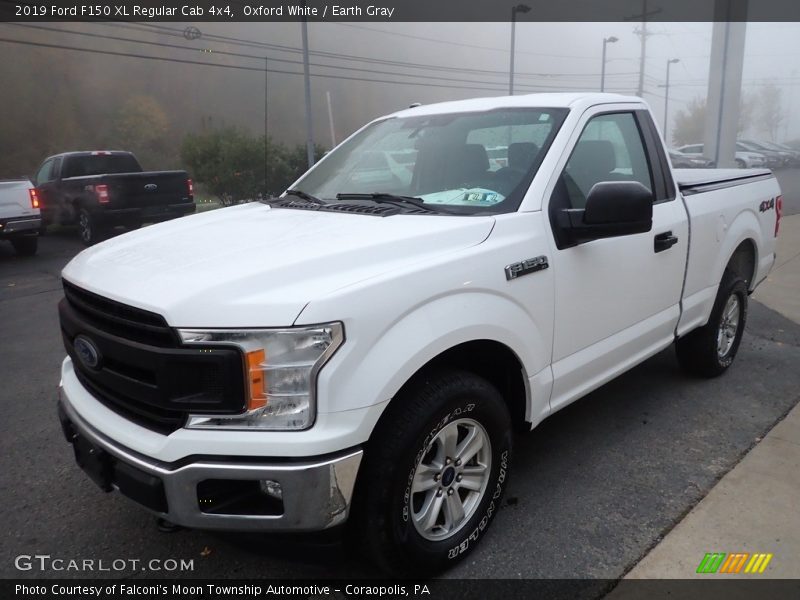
(281, 371)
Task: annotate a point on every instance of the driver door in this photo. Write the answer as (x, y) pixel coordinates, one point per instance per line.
(617, 299)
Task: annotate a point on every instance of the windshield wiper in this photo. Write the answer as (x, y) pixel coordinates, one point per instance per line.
(383, 198)
(307, 197)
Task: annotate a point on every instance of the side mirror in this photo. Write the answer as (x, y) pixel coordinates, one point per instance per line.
(613, 208)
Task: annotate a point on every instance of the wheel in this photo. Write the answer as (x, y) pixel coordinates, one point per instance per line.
(25, 245)
(710, 350)
(434, 474)
(740, 163)
(88, 228)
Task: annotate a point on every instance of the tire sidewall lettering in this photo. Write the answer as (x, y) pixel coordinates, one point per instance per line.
(459, 549)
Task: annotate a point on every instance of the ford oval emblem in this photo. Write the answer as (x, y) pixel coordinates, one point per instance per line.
(87, 352)
(151, 187)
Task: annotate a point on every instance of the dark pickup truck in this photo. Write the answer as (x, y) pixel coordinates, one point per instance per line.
(99, 190)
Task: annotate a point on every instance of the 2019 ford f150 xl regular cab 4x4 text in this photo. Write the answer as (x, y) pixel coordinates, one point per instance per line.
(102, 189)
(361, 348)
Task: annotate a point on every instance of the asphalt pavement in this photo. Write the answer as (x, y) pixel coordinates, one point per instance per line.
(593, 488)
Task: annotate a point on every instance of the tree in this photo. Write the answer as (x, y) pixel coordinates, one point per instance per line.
(747, 103)
(690, 123)
(231, 163)
(770, 110)
(142, 127)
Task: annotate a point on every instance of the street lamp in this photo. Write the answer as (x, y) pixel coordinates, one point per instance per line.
(519, 8)
(606, 41)
(670, 61)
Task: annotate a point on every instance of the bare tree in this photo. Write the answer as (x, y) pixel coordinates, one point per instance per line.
(770, 110)
(747, 103)
(690, 123)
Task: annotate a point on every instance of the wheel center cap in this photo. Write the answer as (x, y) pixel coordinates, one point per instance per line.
(448, 475)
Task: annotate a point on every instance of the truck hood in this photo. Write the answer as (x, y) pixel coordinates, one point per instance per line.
(257, 266)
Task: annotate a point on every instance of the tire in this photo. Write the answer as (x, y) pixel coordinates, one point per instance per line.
(740, 164)
(408, 449)
(89, 230)
(25, 245)
(710, 350)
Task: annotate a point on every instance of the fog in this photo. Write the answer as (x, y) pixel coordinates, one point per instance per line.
(56, 99)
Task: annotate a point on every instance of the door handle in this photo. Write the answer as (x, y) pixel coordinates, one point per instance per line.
(664, 241)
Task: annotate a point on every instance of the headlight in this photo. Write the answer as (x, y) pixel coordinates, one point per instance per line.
(282, 367)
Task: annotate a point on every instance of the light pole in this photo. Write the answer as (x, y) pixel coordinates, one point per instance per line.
(670, 61)
(521, 8)
(307, 82)
(606, 41)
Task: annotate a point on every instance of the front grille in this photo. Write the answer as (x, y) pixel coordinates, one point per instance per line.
(143, 372)
(120, 319)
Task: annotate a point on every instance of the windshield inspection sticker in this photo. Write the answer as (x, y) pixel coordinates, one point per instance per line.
(465, 197)
(480, 197)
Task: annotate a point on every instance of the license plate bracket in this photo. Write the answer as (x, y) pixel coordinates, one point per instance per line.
(95, 462)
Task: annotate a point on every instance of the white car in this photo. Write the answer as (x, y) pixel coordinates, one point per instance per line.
(355, 353)
(20, 218)
(745, 159)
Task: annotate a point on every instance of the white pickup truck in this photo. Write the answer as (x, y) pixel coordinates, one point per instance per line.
(20, 217)
(361, 348)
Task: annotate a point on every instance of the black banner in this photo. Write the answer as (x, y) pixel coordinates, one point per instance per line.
(438, 589)
(399, 10)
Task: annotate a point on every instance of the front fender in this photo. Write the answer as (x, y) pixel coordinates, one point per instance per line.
(422, 334)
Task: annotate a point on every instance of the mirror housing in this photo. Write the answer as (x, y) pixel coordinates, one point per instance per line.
(613, 208)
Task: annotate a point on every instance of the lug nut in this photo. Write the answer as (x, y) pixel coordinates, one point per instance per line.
(459, 477)
(450, 492)
(447, 461)
(458, 462)
(436, 477)
(439, 492)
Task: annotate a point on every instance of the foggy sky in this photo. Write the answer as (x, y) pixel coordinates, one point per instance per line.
(554, 56)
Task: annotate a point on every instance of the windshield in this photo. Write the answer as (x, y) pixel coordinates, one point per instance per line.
(465, 163)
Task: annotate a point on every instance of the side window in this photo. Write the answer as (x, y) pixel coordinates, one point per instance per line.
(56, 170)
(609, 149)
(43, 174)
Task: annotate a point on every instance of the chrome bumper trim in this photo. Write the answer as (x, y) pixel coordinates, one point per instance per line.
(317, 494)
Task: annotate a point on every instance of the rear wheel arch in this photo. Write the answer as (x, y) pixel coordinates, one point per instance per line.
(743, 262)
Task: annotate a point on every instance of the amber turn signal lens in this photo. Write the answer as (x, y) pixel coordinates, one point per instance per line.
(256, 379)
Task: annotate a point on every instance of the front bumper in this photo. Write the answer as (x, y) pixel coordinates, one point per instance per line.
(220, 492)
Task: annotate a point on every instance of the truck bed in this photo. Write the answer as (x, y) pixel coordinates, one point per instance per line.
(693, 181)
(725, 206)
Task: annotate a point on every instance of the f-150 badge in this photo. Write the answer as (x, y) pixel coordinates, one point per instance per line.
(529, 265)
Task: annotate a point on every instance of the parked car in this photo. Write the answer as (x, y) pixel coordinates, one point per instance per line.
(775, 159)
(361, 355)
(791, 156)
(100, 190)
(745, 159)
(679, 160)
(20, 218)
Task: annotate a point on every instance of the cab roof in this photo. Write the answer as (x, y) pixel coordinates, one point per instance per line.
(556, 100)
